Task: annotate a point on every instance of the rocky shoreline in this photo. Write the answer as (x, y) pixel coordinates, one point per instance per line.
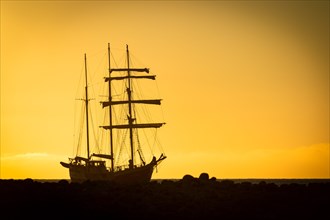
(187, 198)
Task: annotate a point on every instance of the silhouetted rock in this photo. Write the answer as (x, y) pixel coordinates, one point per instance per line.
(28, 180)
(213, 179)
(204, 176)
(188, 178)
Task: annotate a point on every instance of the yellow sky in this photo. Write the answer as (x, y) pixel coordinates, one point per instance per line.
(245, 84)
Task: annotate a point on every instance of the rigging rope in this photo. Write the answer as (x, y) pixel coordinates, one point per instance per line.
(160, 96)
(139, 149)
(94, 134)
(121, 146)
(80, 132)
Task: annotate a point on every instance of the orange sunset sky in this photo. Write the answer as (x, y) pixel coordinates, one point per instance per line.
(245, 85)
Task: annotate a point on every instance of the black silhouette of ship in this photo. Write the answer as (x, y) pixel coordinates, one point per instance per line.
(129, 169)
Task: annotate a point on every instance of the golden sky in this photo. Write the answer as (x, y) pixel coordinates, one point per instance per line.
(245, 84)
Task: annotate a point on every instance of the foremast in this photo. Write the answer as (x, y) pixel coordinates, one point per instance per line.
(130, 101)
(110, 112)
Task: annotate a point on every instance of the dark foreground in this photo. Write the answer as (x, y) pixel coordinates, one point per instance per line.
(188, 198)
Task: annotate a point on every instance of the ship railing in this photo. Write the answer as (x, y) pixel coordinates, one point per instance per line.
(120, 168)
(124, 167)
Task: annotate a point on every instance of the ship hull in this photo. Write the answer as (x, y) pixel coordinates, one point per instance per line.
(81, 173)
(93, 170)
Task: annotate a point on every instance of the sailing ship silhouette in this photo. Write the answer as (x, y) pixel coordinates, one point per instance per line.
(92, 167)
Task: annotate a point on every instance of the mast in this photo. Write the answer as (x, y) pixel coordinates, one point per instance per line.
(130, 101)
(86, 102)
(110, 113)
(130, 117)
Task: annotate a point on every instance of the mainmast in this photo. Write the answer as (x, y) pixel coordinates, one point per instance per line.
(130, 101)
(130, 117)
(110, 113)
(86, 102)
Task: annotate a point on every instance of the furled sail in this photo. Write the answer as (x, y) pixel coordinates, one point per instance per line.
(151, 101)
(153, 77)
(106, 156)
(130, 69)
(148, 125)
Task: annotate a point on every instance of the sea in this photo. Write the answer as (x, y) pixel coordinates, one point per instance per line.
(251, 180)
